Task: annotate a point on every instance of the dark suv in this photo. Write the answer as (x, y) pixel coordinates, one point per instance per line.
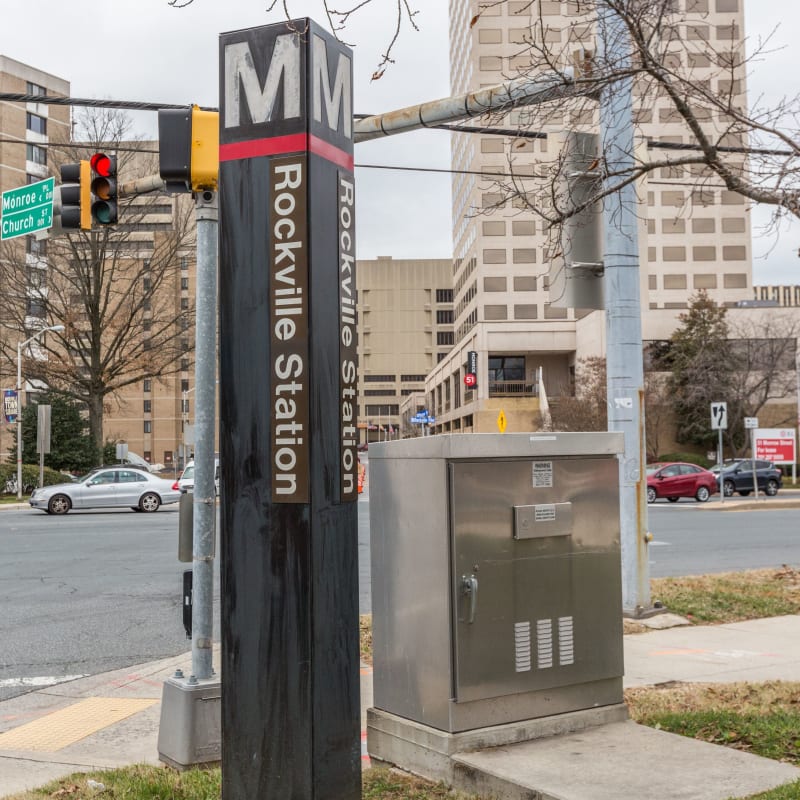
(737, 476)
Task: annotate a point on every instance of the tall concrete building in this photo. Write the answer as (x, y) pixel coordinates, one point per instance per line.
(26, 132)
(693, 234)
(149, 288)
(405, 327)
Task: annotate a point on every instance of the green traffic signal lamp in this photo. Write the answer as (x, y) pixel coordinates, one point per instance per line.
(104, 188)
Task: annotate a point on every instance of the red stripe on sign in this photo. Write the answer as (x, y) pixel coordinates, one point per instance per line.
(281, 145)
(330, 153)
(253, 148)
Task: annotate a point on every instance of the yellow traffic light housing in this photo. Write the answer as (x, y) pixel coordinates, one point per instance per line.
(188, 142)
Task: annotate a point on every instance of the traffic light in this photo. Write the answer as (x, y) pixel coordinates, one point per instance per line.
(76, 196)
(104, 188)
(188, 143)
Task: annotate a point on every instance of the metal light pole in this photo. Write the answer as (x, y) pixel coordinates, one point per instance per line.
(20, 345)
(205, 498)
(625, 371)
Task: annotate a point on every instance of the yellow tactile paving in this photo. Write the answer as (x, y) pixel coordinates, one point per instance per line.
(73, 723)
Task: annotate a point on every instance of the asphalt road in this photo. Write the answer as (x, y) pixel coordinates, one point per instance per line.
(688, 540)
(94, 591)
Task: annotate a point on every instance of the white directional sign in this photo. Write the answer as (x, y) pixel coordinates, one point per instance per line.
(719, 416)
(27, 209)
(751, 422)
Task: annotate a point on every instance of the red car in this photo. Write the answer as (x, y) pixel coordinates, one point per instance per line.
(678, 479)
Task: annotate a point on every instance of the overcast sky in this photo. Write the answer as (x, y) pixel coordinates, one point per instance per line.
(157, 53)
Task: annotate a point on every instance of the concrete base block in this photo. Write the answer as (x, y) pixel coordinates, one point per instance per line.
(190, 730)
(429, 752)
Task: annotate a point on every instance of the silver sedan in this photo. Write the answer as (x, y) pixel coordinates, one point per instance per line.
(108, 487)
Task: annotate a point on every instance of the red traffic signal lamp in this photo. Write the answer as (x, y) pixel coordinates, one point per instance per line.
(104, 188)
(76, 196)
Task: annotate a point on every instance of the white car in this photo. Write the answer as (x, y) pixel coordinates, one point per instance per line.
(107, 487)
(186, 481)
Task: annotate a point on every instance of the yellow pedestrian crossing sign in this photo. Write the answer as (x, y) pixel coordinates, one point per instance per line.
(501, 421)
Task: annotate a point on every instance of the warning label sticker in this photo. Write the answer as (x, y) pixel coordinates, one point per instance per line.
(544, 513)
(542, 474)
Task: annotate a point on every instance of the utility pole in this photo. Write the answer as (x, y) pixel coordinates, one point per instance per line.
(624, 366)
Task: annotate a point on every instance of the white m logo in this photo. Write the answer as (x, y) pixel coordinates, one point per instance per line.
(240, 73)
(341, 88)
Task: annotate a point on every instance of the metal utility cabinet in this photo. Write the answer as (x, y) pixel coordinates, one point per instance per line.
(496, 591)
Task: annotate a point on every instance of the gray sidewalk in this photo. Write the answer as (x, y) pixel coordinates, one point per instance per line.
(112, 719)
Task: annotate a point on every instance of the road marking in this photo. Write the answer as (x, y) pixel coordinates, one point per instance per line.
(71, 724)
(43, 680)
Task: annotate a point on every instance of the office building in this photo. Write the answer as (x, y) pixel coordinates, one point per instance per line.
(693, 234)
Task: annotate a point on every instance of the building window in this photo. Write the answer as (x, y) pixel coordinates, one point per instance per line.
(184, 303)
(378, 378)
(444, 317)
(444, 295)
(35, 88)
(379, 392)
(184, 364)
(184, 384)
(382, 411)
(35, 123)
(506, 368)
(444, 337)
(148, 385)
(440, 357)
(184, 284)
(148, 406)
(412, 378)
(36, 154)
(148, 426)
(184, 262)
(147, 284)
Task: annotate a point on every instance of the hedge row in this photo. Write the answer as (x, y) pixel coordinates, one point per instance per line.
(30, 478)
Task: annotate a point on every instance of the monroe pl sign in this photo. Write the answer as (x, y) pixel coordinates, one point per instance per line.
(27, 210)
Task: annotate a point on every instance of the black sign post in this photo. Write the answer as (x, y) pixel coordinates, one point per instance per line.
(289, 560)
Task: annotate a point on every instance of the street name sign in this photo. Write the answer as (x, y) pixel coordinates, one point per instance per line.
(27, 209)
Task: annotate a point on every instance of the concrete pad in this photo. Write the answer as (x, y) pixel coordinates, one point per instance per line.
(757, 650)
(663, 621)
(616, 762)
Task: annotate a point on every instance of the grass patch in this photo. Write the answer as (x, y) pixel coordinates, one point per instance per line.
(144, 782)
(759, 718)
(731, 596)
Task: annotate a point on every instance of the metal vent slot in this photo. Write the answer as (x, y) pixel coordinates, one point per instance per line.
(522, 646)
(544, 643)
(566, 648)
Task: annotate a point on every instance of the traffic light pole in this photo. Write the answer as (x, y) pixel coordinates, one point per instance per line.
(205, 501)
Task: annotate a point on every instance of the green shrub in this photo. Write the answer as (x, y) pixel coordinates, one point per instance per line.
(30, 478)
(689, 458)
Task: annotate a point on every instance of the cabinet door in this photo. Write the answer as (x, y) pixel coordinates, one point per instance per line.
(535, 574)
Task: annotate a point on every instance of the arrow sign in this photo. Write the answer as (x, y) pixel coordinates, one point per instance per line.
(719, 416)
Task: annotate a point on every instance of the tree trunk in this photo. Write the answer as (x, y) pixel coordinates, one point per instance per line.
(96, 426)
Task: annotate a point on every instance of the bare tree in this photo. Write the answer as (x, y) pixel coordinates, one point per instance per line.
(113, 288)
(658, 415)
(763, 353)
(674, 60)
(588, 409)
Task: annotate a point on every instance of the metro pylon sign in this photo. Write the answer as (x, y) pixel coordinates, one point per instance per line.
(288, 366)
